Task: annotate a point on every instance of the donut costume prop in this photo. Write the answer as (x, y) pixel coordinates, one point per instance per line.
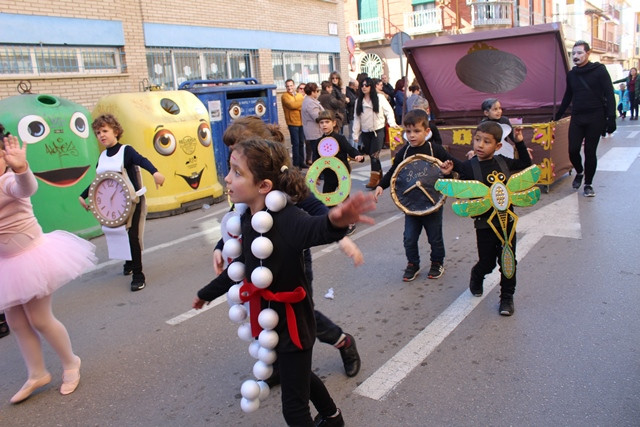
(328, 147)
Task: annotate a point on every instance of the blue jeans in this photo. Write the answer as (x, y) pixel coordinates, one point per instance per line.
(297, 145)
(413, 226)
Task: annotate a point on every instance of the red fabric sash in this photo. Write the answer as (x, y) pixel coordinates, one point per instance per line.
(248, 292)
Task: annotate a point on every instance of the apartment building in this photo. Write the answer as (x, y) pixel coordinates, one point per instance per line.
(373, 23)
(83, 50)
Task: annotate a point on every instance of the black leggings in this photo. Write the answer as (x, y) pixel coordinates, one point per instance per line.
(585, 127)
(634, 105)
(299, 385)
(372, 142)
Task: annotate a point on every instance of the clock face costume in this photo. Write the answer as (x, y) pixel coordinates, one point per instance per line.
(113, 202)
(412, 185)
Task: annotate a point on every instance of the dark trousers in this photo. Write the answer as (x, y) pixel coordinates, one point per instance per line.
(297, 145)
(134, 244)
(587, 128)
(326, 331)
(489, 253)
(413, 226)
(634, 105)
(299, 385)
(372, 142)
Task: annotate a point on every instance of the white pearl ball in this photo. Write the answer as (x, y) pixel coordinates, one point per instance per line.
(249, 406)
(264, 390)
(233, 225)
(240, 207)
(261, 277)
(244, 332)
(250, 389)
(236, 271)
(233, 294)
(262, 221)
(267, 356)
(237, 313)
(268, 318)
(254, 347)
(268, 339)
(232, 248)
(276, 200)
(261, 370)
(261, 247)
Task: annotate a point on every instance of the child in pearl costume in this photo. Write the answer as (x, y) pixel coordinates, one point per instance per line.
(259, 167)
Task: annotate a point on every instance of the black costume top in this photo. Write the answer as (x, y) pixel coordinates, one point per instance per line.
(293, 230)
(589, 89)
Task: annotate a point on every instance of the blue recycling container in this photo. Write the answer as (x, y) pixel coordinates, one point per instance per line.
(228, 100)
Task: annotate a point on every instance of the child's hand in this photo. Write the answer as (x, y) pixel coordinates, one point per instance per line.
(377, 193)
(351, 250)
(83, 203)
(517, 134)
(218, 261)
(199, 303)
(351, 210)
(470, 154)
(447, 167)
(159, 179)
(359, 158)
(14, 155)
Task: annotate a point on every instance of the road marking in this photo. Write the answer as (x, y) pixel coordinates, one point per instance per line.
(633, 134)
(618, 159)
(330, 248)
(212, 230)
(395, 370)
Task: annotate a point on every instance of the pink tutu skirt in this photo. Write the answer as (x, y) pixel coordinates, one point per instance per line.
(35, 268)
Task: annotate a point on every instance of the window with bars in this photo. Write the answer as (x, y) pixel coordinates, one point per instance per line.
(57, 60)
(302, 67)
(169, 67)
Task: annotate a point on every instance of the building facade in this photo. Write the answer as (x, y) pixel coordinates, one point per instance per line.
(83, 50)
(610, 26)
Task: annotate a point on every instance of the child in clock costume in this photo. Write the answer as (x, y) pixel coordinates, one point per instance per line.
(32, 266)
(271, 275)
(124, 158)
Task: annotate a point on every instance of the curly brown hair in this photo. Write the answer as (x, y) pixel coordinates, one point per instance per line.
(108, 120)
(250, 127)
(270, 160)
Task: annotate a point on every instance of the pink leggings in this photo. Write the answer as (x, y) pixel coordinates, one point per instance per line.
(29, 320)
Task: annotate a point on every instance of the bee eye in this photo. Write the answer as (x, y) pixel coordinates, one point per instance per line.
(164, 142)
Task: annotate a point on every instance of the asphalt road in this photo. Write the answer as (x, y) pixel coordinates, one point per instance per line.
(432, 354)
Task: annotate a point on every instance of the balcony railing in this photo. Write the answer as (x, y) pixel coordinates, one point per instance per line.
(366, 30)
(491, 13)
(598, 45)
(423, 21)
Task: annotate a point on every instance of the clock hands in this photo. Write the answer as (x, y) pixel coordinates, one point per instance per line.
(424, 190)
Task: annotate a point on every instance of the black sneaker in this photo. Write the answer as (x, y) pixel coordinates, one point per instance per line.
(577, 181)
(588, 191)
(336, 420)
(506, 306)
(127, 269)
(137, 285)
(350, 356)
(410, 272)
(436, 271)
(475, 288)
(4, 327)
(351, 229)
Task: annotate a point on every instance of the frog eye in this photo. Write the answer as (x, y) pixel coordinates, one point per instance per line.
(204, 134)
(32, 129)
(164, 142)
(79, 125)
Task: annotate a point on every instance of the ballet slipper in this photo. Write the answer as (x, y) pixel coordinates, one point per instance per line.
(70, 380)
(29, 387)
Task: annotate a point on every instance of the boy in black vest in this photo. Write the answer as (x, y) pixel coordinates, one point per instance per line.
(485, 143)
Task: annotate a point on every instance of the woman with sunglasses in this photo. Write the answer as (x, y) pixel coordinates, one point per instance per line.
(371, 111)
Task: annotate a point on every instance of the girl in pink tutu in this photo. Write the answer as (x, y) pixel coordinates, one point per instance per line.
(32, 266)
